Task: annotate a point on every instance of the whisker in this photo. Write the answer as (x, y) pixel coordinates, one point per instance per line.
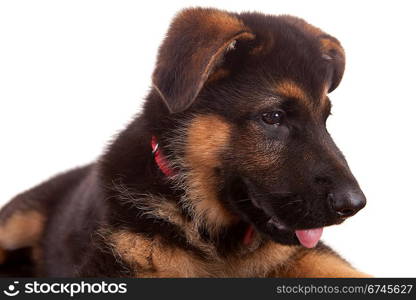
(243, 200)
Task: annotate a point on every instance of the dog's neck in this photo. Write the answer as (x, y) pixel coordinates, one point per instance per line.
(164, 167)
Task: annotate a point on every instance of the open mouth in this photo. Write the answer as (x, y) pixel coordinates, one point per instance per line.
(308, 238)
(285, 219)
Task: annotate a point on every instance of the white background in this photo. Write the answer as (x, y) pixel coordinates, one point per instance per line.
(73, 73)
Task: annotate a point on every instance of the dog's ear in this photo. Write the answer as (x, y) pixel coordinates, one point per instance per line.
(331, 49)
(195, 45)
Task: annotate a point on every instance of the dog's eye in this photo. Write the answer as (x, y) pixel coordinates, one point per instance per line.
(272, 117)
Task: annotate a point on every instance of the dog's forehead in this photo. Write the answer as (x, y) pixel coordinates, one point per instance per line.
(289, 89)
(290, 57)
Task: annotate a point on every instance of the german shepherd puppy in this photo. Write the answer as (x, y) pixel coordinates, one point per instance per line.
(229, 171)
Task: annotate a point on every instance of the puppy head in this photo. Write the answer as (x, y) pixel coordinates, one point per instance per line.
(255, 88)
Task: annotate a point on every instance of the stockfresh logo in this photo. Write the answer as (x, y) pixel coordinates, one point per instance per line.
(12, 290)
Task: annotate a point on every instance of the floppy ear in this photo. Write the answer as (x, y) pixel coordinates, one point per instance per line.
(334, 52)
(331, 49)
(194, 46)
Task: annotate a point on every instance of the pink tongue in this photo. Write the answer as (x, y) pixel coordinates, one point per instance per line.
(309, 237)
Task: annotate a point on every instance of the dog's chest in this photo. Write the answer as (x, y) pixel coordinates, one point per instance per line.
(151, 258)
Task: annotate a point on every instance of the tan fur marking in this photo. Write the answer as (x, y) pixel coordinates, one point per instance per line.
(329, 44)
(22, 229)
(212, 19)
(261, 262)
(218, 75)
(315, 264)
(133, 248)
(174, 262)
(290, 89)
(208, 135)
(224, 21)
(154, 259)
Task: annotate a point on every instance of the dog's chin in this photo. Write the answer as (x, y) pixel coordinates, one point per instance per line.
(278, 232)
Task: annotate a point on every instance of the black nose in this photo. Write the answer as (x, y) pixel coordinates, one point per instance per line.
(348, 203)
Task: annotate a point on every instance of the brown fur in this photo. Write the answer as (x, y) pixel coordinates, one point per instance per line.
(133, 248)
(331, 44)
(166, 261)
(151, 258)
(212, 20)
(292, 90)
(22, 229)
(207, 137)
(218, 75)
(321, 264)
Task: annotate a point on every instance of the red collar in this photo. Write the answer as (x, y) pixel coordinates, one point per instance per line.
(249, 235)
(163, 165)
(160, 159)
